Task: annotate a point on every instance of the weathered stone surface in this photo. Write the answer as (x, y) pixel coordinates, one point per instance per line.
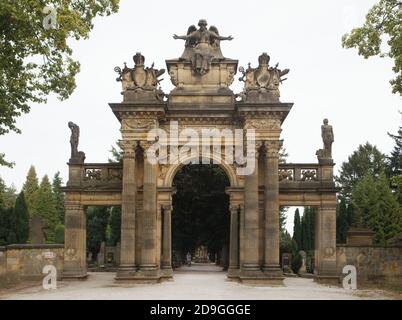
(26, 262)
(373, 263)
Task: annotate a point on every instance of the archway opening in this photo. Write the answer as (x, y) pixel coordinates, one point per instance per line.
(200, 218)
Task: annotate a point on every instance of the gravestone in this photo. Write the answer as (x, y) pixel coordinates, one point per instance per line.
(287, 262)
(303, 266)
(36, 230)
(101, 255)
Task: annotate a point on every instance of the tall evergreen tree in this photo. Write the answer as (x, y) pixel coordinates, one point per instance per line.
(394, 161)
(342, 224)
(58, 196)
(297, 229)
(97, 222)
(367, 159)
(19, 222)
(30, 188)
(44, 206)
(5, 222)
(115, 225)
(377, 208)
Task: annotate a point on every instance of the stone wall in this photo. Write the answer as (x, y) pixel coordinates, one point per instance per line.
(25, 262)
(376, 264)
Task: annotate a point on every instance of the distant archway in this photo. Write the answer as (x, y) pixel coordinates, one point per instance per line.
(201, 217)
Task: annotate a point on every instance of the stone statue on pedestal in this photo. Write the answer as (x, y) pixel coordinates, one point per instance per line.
(327, 135)
(76, 156)
(202, 46)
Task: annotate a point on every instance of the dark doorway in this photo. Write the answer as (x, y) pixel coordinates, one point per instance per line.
(200, 219)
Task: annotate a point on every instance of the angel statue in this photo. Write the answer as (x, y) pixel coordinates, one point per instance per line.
(202, 46)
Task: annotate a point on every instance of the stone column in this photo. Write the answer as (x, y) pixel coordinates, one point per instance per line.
(251, 256)
(75, 265)
(167, 238)
(326, 257)
(127, 245)
(148, 252)
(234, 241)
(271, 204)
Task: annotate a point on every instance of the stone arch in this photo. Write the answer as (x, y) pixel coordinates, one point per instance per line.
(228, 169)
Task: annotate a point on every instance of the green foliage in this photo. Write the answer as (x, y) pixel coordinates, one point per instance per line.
(5, 223)
(342, 221)
(115, 226)
(35, 62)
(117, 154)
(59, 234)
(30, 188)
(97, 222)
(297, 232)
(44, 206)
(307, 229)
(366, 160)
(396, 183)
(200, 209)
(377, 208)
(8, 195)
(19, 222)
(58, 196)
(394, 161)
(297, 262)
(383, 22)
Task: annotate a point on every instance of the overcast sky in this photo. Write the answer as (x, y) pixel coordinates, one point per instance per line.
(325, 80)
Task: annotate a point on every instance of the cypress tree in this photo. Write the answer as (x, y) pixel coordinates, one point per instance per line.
(30, 188)
(342, 224)
(44, 206)
(19, 222)
(297, 230)
(376, 208)
(58, 196)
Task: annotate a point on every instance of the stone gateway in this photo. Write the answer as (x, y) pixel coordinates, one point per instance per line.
(201, 99)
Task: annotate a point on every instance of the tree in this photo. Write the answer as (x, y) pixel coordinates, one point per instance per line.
(297, 230)
(394, 161)
(19, 222)
(383, 22)
(367, 159)
(8, 195)
(97, 222)
(342, 223)
(377, 208)
(115, 226)
(59, 234)
(30, 188)
(44, 206)
(5, 222)
(58, 196)
(35, 58)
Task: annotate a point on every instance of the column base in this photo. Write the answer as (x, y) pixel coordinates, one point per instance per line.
(73, 271)
(272, 270)
(126, 272)
(166, 273)
(260, 278)
(233, 273)
(327, 279)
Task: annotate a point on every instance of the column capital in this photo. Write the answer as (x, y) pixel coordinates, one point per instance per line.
(272, 147)
(128, 147)
(234, 208)
(166, 208)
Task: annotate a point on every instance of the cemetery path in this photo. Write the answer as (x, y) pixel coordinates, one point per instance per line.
(195, 282)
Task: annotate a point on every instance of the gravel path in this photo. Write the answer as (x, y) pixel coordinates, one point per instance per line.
(195, 282)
